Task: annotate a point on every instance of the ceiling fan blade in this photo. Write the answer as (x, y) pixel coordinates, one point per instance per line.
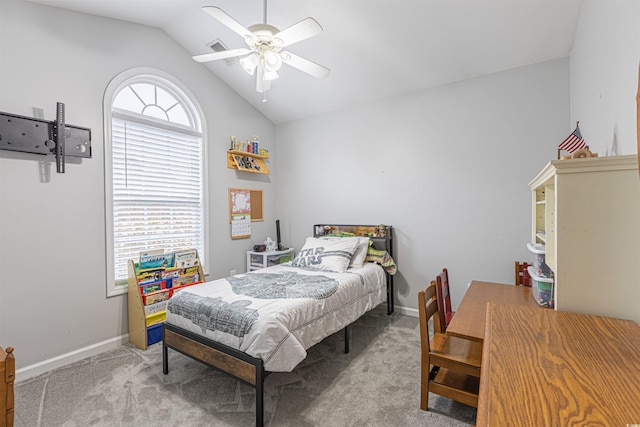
(302, 30)
(302, 64)
(221, 16)
(221, 55)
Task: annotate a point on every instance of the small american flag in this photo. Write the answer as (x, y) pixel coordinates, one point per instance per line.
(573, 142)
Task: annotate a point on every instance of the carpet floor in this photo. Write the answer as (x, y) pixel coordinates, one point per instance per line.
(376, 384)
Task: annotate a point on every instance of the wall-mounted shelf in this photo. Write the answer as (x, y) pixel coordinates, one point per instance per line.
(248, 162)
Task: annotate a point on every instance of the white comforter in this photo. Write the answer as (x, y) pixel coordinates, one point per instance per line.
(277, 313)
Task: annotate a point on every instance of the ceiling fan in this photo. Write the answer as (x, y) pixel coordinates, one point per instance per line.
(264, 53)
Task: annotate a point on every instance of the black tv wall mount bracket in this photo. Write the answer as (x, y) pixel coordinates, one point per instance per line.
(37, 136)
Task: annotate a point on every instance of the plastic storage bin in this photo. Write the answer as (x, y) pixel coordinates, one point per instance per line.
(539, 265)
(154, 334)
(278, 259)
(542, 288)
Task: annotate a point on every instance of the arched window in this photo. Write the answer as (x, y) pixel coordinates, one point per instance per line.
(154, 171)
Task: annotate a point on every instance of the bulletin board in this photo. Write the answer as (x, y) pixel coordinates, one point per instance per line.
(245, 206)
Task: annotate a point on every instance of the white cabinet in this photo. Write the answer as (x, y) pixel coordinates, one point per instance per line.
(258, 260)
(587, 212)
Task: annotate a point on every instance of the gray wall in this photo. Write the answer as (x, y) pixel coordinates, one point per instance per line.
(52, 230)
(474, 146)
(447, 167)
(604, 75)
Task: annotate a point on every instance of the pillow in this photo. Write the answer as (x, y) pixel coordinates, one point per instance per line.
(362, 244)
(357, 261)
(323, 254)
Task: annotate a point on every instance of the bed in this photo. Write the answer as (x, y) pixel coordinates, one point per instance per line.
(263, 321)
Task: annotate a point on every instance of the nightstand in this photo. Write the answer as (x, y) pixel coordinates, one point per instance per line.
(258, 260)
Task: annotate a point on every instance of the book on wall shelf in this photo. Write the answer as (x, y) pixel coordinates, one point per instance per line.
(152, 280)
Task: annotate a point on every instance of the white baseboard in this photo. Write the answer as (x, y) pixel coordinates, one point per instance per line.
(413, 312)
(36, 369)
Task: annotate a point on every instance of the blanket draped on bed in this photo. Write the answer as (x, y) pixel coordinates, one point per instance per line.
(277, 313)
(236, 318)
(383, 258)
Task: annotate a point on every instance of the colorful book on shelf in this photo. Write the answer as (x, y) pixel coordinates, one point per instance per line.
(159, 285)
(186, 259)
(154, 261)
(187, 279)
(156, 307)
(190, 270)
(150, 288)
(170, 273)
(152, 298)
(149, 276)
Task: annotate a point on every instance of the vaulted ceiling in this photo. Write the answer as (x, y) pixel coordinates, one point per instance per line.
(376, 49)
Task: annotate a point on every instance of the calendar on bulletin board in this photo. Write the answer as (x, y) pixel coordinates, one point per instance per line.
(240, 207)
(241, 226)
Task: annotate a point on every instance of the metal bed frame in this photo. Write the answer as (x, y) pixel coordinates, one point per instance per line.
(240, 365)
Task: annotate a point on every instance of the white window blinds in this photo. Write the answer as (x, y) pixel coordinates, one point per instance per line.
(157, 191)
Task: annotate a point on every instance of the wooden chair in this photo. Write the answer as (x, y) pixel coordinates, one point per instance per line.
(450, 365)
(522, 275)
(445, 310)
(7, 377)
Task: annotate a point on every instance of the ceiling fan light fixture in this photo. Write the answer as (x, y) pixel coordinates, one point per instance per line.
(262, 84)
(272, 61)
(270, 75)
(249, 63)
(277, 43)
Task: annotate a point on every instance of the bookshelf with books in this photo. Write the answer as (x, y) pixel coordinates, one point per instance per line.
(152, 280)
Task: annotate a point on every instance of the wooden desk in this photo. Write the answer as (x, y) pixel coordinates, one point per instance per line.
(469, 320)
(543, 367)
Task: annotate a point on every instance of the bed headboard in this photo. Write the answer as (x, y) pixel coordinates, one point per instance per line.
(381, 235)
